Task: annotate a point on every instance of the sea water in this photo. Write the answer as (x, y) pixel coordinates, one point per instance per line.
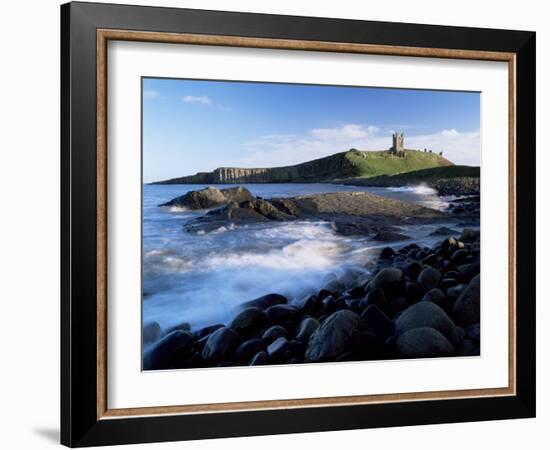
(202, 278)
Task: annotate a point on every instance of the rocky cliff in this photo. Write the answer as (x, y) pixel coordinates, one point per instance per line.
(353, 163)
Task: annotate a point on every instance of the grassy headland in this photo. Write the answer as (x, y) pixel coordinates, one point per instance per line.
(350, 164)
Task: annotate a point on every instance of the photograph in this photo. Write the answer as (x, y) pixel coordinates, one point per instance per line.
(297, 223)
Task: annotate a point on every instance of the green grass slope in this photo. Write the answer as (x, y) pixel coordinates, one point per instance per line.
(431, 174)
(447, 180)
(376, 163)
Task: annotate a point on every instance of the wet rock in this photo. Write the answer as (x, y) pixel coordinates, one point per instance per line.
(266, 301)
(423, 342)
(281, 313)
(399, 304)
(183, 326)
(459, 336)
(306, 328)
(366, 345)
(466, 307)
(447, 244)
(273, 333)
(248, 320)
(336, 287)
(331, 304)
(307, 304)
(454, 291)
(444, 231)
(260, 359)
(170, 352)
(387, 253)
(390, 280)
(352, 228)
(412, 270)
(206, 331)
(151, 332)
(349, 277)
(220, 344)
(377, 322)
(390, 236)
(237, 194)
(413, 292)
(355, 305)
(469, 235)
(447, 282)
(468, 348)
(333, 336)
(459, 257)
(278, 348)
(468, 271)
(425, 314)
(431, 259)
(374, 297)
(249, 348)
(209, 197)
(474, 332)
(436, 296)
(429, 278)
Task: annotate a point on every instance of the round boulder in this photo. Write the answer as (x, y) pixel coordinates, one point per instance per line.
(333, 336)
(273, 333)
(170, 352)
(266, 301)
(281, 313)
(151, 332)
(220, 345)
(248, 320)
(390, 280)
(306, 328)
(425, 314)
(278, 348)
(429, 278)
(466, 307)
(423, 342)
(260, 359)
(249, 348)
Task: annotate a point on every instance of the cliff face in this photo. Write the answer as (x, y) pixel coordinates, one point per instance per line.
(324, 169)
(353, 163)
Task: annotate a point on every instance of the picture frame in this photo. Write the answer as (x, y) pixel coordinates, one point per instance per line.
(86, 418)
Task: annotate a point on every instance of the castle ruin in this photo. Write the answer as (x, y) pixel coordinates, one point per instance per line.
(398, 145)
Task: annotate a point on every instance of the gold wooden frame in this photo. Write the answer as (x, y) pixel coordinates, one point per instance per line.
(103, 36)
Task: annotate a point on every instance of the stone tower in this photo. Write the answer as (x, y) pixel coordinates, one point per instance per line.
(398, 144)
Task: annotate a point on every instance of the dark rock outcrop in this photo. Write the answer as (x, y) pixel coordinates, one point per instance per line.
(211, 197)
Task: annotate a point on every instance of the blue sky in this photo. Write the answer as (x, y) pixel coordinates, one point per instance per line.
(195, 125)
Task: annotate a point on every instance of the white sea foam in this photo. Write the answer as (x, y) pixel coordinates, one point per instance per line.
(419, 189)
(202, 277)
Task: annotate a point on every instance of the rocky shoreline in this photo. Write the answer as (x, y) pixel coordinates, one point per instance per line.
(418, 302)
(444, 186)
(349, 213)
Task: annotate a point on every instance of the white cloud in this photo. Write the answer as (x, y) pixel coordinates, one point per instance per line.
(450, 133)
(458, 146)
(288, 149)
(202, 99)
(343, 133)
(150, 94)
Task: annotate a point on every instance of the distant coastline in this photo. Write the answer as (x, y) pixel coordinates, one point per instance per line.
(350, 164)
